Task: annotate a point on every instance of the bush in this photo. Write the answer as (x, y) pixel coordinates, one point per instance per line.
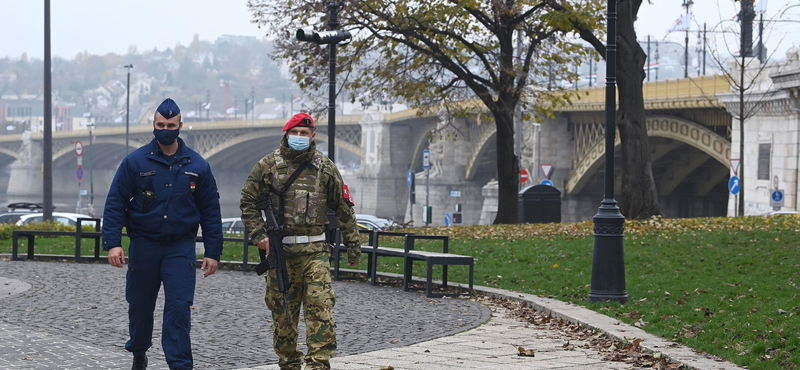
(6, 230)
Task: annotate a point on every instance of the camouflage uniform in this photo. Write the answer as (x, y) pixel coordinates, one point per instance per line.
(319, 187)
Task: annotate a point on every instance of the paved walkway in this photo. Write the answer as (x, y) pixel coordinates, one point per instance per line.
(491, 346)
(75, 317)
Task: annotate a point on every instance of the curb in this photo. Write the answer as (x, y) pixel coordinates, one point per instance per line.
(615, 329)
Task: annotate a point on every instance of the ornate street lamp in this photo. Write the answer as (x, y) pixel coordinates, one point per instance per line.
(608, 260)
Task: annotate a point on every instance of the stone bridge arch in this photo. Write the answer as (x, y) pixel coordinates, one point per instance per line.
(591, 148)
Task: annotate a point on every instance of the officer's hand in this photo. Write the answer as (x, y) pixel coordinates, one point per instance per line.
(264, 244)
(211, 264)
(116, 257)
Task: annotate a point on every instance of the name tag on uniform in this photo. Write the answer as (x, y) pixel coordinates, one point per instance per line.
(148, 173)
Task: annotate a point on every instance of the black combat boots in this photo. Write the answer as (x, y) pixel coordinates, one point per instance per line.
(139, 362)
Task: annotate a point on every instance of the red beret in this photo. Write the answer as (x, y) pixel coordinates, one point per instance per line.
(299, 119)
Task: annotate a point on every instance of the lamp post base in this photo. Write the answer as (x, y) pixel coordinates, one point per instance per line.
(608, 260)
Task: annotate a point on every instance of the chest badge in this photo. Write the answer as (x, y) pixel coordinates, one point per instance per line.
(192, 186)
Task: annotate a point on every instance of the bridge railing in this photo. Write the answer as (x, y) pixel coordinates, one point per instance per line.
(699, 87)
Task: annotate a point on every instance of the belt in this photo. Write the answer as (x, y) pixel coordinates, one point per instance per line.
(299, 239)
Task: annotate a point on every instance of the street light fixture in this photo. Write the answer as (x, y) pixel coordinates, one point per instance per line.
(331, 38)
(686, 4)
(127, 108)
(608, 259)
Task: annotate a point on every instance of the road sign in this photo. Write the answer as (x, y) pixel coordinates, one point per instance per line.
(79, 173)
(447, 219)
(84, 192)
(733, 185)
(735, 166)
(455, 193)
(80, 161)
(546, 182)
(426, 159)
(523, 176)
(547, 169)
(410, 178)
(776, 198)
(775, 182)
(78, 148)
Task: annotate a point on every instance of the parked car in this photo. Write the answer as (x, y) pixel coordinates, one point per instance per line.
(371, 222)
(774, 213)
(233, 225)
(17, 210)
(70, 219)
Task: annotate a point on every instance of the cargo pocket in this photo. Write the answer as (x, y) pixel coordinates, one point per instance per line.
(301, 207)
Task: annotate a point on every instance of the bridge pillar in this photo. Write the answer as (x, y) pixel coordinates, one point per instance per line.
(25, 175)
(448, 183)
(380, 184)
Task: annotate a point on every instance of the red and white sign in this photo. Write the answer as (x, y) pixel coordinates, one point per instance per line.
(547, 169)
(735, 166)
(78, 148)
(523, 176)
(775, 182)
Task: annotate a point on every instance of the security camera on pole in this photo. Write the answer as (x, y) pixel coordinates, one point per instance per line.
(331, 38)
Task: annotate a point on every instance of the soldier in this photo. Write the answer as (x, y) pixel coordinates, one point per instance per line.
(318, 187)
(161, 193)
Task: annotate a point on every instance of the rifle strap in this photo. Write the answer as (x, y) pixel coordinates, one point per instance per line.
(286, 186)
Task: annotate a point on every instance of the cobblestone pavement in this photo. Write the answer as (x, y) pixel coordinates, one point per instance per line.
(75, 317)
(490, 346)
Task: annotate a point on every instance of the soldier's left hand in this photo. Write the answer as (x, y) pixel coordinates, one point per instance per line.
(211, 264)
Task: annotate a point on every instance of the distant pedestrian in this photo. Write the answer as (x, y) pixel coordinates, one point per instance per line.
(161, 193)
(302, 210)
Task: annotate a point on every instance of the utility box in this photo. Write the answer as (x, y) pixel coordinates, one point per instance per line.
(539, 204)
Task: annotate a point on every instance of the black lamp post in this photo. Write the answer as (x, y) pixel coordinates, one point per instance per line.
(47, 153)
(127, 108)
(331, 38)
(608, 261)
(686, 4)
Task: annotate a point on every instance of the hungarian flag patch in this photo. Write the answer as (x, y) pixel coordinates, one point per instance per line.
(192, 186)
(347, 196)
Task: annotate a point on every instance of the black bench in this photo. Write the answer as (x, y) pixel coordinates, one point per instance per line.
(409, 255)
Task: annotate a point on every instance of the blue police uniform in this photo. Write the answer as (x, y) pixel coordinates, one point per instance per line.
(161, 201)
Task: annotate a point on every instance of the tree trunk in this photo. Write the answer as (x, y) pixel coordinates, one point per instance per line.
(639, 199)
(507, 168)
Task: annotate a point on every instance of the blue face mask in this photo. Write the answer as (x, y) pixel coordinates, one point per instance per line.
(299, 143)
(166, 137)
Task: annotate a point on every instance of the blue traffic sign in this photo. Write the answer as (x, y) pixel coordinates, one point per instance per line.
(410, 178)
(447, 219)
(79, 173)
(546, 182)
(426, 159)
(733, 185)
(777, 195)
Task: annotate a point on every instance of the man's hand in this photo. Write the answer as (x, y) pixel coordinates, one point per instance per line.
(264, 245)
(211, 264)
(116, 257)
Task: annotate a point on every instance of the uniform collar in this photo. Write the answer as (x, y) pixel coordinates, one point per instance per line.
(294, 156)
(156, 154)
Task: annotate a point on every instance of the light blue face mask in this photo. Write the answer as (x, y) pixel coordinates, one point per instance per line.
(299, 143)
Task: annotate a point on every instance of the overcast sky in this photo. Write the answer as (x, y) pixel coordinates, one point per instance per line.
(103, 26)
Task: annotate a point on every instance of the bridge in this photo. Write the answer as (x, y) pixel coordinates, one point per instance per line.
(689, 127)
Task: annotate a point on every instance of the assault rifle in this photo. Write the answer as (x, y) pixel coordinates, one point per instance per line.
(276, 259)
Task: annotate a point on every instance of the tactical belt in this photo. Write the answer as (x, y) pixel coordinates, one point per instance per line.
(300, 239)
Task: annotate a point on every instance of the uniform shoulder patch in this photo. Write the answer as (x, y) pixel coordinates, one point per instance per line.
(348, 198)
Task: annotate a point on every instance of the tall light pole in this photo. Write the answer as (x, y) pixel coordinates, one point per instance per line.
(47, 164)
(128, 108)
(331, 38)
(686, 4)
(608, 260)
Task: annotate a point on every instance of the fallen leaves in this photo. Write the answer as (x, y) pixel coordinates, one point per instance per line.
(526, 352)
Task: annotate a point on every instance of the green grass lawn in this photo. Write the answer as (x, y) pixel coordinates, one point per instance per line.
(716, 285)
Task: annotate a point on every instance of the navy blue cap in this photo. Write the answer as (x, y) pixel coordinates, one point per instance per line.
(168, 108)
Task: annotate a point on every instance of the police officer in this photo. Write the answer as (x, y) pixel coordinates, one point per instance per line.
(318, 187)
(161, 193)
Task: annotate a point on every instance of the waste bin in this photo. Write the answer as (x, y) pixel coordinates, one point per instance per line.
(539, 204)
